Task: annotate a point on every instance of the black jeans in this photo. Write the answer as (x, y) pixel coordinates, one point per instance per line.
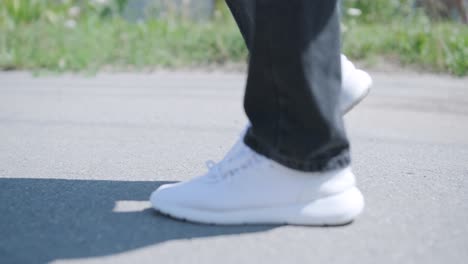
(294, 82)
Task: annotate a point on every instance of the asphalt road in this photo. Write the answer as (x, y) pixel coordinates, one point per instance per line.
(79, 157)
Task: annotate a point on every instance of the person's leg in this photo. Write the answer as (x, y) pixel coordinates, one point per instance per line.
(243, 12)
(293, 85)
(294, 165)
(356, 83)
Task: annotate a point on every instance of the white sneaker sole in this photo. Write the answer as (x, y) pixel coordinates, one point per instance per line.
(339, 209)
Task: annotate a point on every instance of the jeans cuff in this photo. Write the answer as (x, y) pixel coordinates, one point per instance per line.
(333, 162)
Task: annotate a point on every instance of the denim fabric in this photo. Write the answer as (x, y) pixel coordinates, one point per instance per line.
(294, 82)
(243, 12)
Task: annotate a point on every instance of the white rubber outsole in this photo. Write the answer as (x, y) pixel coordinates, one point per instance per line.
(339, 209)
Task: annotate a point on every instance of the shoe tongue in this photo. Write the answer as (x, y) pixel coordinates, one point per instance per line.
(235, 150)
(238, 147)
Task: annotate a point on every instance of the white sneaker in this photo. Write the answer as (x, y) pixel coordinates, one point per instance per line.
(248, 188)
(355, 85)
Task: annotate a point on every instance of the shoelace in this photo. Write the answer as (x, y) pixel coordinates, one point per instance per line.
(238, 159)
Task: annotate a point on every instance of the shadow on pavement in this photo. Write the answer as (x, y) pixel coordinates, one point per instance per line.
(42, 220)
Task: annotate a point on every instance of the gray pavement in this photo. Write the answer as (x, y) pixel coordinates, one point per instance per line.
(79, 156)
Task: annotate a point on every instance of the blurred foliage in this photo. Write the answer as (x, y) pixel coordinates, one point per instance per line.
(14, 12)
(379, 11)
(402, 30)
(90, 34)
(440, 47)
(99, 37)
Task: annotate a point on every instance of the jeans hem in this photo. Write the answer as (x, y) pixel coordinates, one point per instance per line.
(333, 162)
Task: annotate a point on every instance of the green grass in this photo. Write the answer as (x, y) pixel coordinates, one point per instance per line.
(441, 47)
(33, 36)
(92, 45)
